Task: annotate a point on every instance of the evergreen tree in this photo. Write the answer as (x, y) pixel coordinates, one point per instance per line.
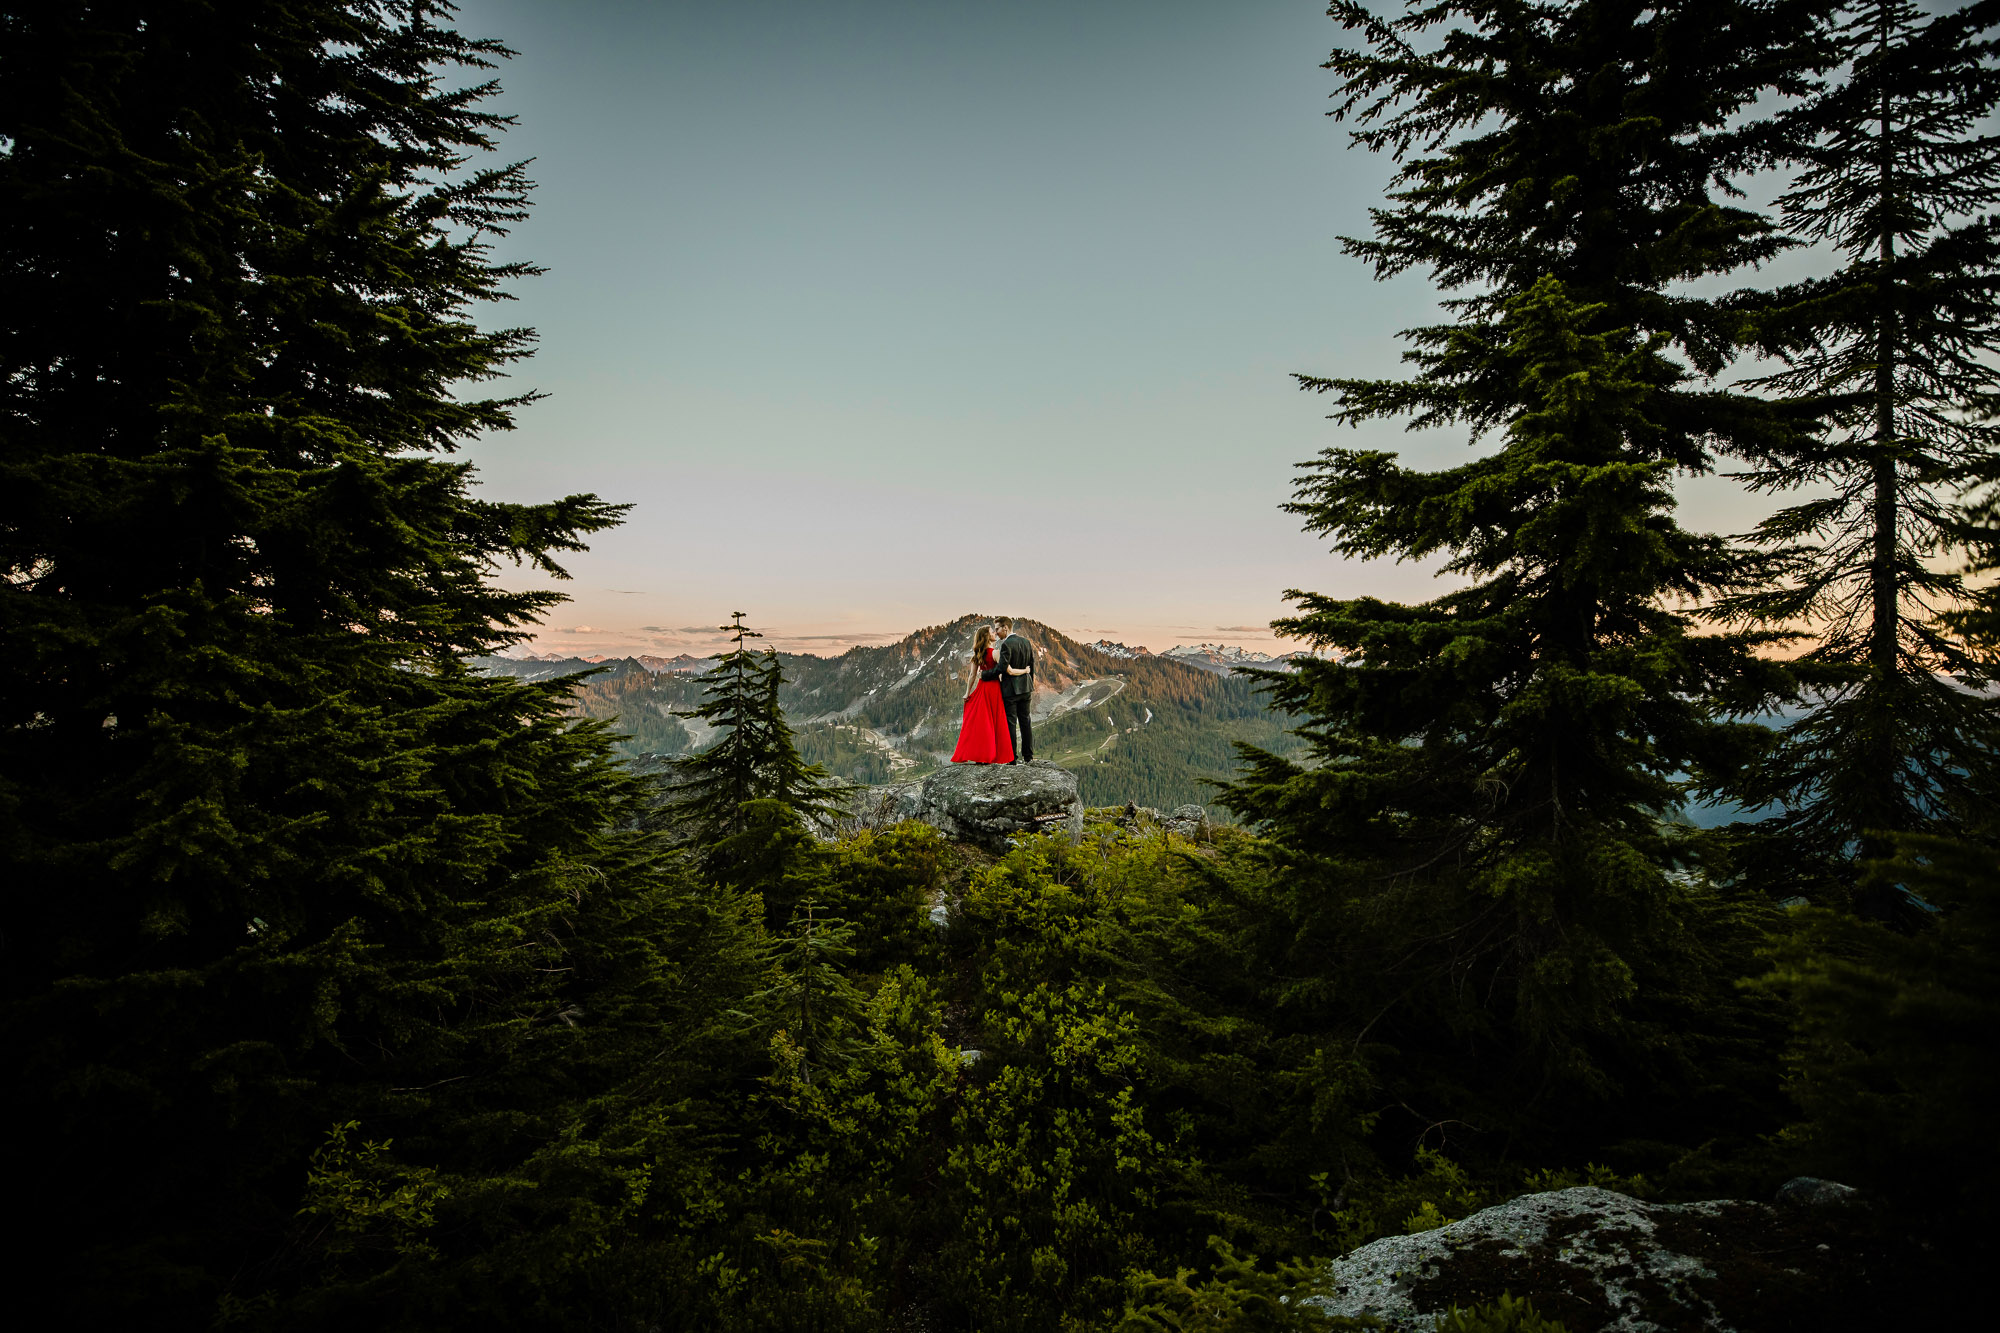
(711, 787)
(816, 1009)
(756, 758)
(812, 793)
(1979, 528)
(1897, 350)
(279, 862)
(772, 855)
(1594, 141)
(1490, 770)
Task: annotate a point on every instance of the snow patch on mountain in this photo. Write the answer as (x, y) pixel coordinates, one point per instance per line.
(1052, 704)
(1222, 650)
(922, 665)
(1223, 658)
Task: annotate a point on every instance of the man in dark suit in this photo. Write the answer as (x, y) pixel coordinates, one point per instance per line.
(1017, 688)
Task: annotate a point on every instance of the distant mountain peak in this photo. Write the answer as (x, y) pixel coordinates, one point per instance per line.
(680, 664)
(1223, 657)
(1111, 649)
(1222, 650)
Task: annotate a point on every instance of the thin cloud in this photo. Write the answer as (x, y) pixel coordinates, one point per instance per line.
(838, 638)
(1242, 629)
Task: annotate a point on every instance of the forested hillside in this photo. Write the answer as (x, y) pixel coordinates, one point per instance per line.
(351, 984)
(1153, 730)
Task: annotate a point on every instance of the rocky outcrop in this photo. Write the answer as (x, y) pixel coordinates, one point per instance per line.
(879, 807)
(1187, 821)
(1812, 1192)
(1593, 1259)
(986, 804)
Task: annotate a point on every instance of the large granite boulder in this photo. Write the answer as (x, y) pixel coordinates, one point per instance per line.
(986, 804)
(1593, 1260)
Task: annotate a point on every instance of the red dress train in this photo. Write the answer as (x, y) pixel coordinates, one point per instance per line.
(982, 734)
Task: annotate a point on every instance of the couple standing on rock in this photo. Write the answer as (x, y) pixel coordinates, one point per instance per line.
(999, 684)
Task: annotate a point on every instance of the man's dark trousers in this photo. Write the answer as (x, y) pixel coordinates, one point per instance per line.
(1016, 692)
(1019, 727)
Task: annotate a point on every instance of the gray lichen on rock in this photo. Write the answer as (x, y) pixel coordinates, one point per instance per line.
(1592, 1258)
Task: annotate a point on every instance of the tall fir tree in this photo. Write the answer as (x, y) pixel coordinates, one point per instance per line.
(755, 759)
(1489, 771)
(1897, 349)
(710, 788)
(1493, 766)
(278, 861)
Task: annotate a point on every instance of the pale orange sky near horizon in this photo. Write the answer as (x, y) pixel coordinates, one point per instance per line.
(582, 639)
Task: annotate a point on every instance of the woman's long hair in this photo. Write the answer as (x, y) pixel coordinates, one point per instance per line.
(980, 643)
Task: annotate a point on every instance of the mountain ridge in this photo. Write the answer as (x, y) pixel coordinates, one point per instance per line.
(1150, 728)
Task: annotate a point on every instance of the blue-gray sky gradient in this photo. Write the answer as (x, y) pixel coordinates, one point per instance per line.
(884, 312)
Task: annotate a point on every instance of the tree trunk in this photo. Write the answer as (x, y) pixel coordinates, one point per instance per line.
(1883, 635)
(1882, 638)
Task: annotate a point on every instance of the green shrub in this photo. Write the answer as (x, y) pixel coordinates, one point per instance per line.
(1505, 1315)
(1238, 1297)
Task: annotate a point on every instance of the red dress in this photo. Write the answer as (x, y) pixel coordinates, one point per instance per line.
(982, 735)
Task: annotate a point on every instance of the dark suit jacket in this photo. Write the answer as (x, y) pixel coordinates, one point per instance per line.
(1015, 652)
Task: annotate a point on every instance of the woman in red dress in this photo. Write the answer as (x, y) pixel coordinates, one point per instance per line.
(982, 734)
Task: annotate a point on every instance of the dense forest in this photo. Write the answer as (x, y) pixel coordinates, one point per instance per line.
(350, 986)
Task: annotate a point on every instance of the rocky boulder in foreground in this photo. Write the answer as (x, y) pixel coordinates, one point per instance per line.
(986, 804)
(1596, 1260)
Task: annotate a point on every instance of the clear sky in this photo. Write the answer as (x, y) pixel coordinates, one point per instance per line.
(881, 313)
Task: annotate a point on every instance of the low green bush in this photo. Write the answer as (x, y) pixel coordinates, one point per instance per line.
(1505, 1315)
